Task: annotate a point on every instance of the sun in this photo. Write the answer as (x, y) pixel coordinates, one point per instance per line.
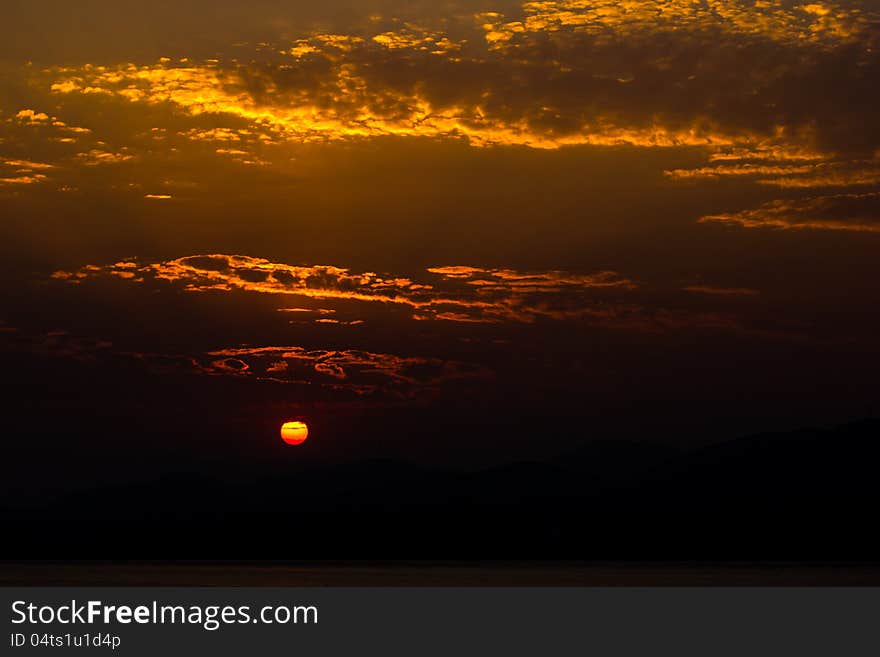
(294, 433)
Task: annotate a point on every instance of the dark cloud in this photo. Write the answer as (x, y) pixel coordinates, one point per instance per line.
(563, 73)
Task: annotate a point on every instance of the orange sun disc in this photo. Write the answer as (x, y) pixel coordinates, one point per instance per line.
(294, 433)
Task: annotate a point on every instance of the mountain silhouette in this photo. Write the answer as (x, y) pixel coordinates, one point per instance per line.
(800, 496)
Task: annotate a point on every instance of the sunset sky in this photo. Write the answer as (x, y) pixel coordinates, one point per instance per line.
(449, 231)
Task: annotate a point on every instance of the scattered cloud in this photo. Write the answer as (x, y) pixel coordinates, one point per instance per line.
(820, 24)
(458, 295)
(25, 165)
(728, 170)
(365, 371)
(856, 211)
(97, 156)
(447, 293)
(795, 174)
(24, 179)
(843, 212)
(832, 174)
(356, 372)
(22, 172)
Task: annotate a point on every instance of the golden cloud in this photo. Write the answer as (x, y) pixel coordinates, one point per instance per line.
(22, 172)
(450, 294)
(25, 179)
(825, 24)
(750, 170)
(345, 106)
(796, 174)
(97, 156)
(843, 212)
(599, 87)
(834, 174)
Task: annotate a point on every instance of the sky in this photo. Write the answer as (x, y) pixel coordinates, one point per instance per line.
(451, 232)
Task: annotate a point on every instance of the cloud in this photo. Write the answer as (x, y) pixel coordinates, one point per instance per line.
(341, 322)
(30, 116)
(38, 147)
(833, 174)
(447, 293)
(23, 172)
(460, 295)
(799, 172)
(823, 24)
(25, 165)
(567, 72)
(364, 371)
(23, 179)
(97, 156)
(738, 170)
(843, 212)
(355, 372)
(319, 311)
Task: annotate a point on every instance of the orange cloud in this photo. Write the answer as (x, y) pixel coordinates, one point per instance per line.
(461, 295)
(30, 116)
(843, 212)
(23, 172)
(97, 156)
(730, 170)
(811, 174)
(836, 174)
(468, 294)
(355, 110)
(822, 24)
(599, 88)
(23, 179)
(25, 165)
